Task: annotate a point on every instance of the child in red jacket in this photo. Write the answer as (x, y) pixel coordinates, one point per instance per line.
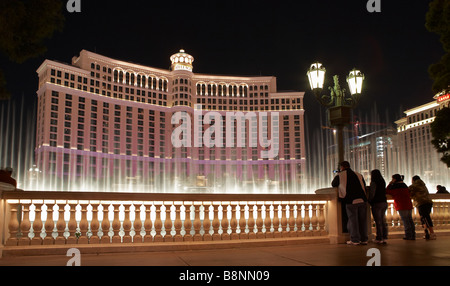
(402, 203)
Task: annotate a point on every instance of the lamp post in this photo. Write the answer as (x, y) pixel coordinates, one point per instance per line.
(339, 105)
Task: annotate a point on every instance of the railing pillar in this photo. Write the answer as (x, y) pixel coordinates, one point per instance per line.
(137, 224)
(25, 226)
(49, 223)
(84, 224)
(95, 223)
(37, 224)
(148, 223)
(13, 225)
(106, 224)
(206, 222)
(225, 223)
(334, 217)
(233, 221)
(158, 223)
(187, 222)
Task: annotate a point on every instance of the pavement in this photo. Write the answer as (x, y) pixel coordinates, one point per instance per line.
(397, 252)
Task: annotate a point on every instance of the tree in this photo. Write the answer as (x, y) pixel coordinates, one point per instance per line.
(440, 129)
(24, 26)
(438, 21)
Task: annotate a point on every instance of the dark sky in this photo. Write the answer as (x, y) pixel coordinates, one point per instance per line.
(280, 38)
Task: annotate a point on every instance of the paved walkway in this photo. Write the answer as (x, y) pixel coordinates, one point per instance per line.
(396, 253)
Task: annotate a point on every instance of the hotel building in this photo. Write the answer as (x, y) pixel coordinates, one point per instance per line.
(417, 156)
(106, 122)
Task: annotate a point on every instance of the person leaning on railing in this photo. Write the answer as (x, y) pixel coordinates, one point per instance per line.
(402, 203)
(421, 197)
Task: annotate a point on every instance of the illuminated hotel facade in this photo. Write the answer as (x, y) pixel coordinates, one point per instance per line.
(416, 153)
(106, 122)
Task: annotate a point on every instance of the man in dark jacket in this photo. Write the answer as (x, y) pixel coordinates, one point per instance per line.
(351, 186)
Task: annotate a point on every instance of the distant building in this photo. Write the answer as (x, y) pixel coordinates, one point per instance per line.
(417, 156)
(106, 122)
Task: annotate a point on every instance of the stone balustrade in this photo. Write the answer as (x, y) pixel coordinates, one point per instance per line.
(58, 218)
(440, 215)
(31, 218)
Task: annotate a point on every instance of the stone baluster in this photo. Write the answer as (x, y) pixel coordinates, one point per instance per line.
(178, 224)
(197, 222)
(72, 224)
(299, 219)
(284, 221)
(49, 224)
(416, 217)
(259, 220)
(268, 221)
(187, 222)
(148, 223)
(206, 222)
(397, 225)
(307, 220)
(215, 222)
(242, 222)
(13, 225)
(84, 224)
(251, 220)
(437, 215)
(276, 220)
(292, 232)
(127, 223)
(116, 223)
(37, 224)
(389, 216)
(233, 221)
(168, 223)
(446, 215)
(137, 224)
(322, 230)
(25, 226)
(225, 222)
(158, 222)
(106, 223)
(315, 219)
(95, 223)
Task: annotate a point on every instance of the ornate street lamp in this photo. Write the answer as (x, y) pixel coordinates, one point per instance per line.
(339, 105)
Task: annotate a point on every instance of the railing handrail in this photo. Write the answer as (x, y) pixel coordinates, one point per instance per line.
(130, 196)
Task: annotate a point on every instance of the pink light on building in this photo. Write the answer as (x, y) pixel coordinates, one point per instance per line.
(105, 122)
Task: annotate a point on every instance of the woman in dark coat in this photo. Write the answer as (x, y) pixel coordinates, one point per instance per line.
(378, 203)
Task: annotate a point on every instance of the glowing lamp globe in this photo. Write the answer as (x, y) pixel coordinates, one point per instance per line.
(316, 76)
(355, 80)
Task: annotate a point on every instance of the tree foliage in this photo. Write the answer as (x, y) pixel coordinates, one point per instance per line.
(24, 27)
(440, 129)
(438, 21)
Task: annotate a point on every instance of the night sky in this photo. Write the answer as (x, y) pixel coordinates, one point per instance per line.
(270, 38)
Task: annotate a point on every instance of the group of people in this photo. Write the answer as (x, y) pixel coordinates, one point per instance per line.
(355, 196)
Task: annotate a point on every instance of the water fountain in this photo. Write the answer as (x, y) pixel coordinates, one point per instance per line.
(17, 145)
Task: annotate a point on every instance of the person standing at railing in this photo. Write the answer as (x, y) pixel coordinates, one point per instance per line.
(378, 203)
(7, 182)
(402, 203)
(423, 202)
(441, 190)
(351, 186)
